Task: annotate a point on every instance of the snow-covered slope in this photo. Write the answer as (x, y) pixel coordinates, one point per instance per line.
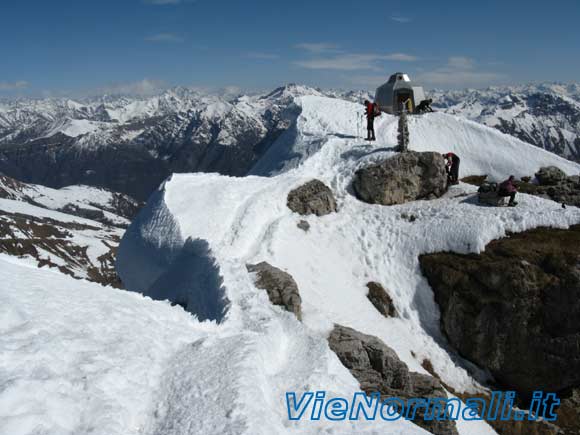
(75, 230)
(246, 220)
(546, 115)
(79, 358)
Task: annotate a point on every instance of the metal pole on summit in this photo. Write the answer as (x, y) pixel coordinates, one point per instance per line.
(403, 130)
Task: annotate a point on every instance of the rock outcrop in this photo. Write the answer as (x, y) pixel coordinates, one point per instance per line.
(550, 175)
(314, 197)
(381, 300)
(280, 286)
(405, 177)
(515, 308)
(569, 412)
(378, 369)
(554, 184)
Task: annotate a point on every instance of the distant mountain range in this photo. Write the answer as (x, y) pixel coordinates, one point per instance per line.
(130, 144)
(546, 115)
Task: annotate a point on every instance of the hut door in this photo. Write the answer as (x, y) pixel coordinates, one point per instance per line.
(402, 98)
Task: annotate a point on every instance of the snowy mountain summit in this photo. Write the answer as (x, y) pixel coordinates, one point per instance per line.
(228, 223)
(221, 247)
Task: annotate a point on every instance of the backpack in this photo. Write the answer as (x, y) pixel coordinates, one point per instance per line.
(488, 188)
(376, 109)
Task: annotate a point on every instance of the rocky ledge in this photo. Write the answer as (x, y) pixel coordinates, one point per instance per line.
(515, 309)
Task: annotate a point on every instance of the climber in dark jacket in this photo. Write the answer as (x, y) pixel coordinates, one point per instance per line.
(508, 188)
(452, 165)
(424, 106)
(371, 111)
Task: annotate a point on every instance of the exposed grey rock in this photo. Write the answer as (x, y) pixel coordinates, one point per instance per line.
(381, 299)
(515, 308)
(280, 286)
(554, 184)
(87, 213)
(378, 369)
(314, 197)
(303, 225)
(405, 177)
(569, 412)
(550, 175)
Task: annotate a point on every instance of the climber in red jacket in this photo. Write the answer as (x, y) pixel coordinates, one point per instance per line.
(452, 165)
(371, 111)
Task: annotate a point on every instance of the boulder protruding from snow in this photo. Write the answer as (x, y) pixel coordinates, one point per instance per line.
(550, 175)
(405, 177)
(554, 184)
(381, 300)
(514, 309)
(378, 369)
(314, 197)
(303, 225)
(280, 286)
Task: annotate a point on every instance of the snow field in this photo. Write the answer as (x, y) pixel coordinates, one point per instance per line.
(249, 222)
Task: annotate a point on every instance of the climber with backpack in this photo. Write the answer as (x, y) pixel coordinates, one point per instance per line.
(452, 166)
(371, 111)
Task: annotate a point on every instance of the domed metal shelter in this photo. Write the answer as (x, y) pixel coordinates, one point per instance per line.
(399, 92)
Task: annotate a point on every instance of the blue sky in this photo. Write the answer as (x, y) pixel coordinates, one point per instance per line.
(88, 46)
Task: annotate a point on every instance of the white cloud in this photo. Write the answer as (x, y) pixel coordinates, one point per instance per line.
(460, 62)
(318, 47)
(12, 86)
(460, 72)
(400, 57)
(142, 88)
(353, 61)
(261, 55)
(401, 19)
(164, 37)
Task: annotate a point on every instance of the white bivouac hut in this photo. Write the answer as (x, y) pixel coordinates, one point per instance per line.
(399, 91)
